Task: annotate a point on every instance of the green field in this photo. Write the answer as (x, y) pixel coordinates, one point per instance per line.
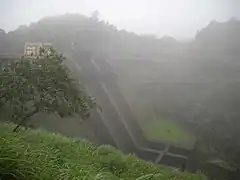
(35, 154)
(168, 131)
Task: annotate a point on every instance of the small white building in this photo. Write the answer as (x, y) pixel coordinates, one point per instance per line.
(33, 49)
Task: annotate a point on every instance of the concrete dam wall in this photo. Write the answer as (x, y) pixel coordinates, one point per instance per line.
(100, 81)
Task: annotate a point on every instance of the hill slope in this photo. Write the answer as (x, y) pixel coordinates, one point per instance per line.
(34, 154)
(84, 33)
(221, 39)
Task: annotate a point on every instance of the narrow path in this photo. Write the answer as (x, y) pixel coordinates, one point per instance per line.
(162, 154)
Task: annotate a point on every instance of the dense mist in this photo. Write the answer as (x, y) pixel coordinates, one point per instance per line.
(169, 101)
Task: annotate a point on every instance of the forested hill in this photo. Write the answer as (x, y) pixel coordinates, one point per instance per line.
(222, 39)
(86, 33)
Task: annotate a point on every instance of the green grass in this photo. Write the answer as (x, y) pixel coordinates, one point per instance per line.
(168, 131)
(35, 154)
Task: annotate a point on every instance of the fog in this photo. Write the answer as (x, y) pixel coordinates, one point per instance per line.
(178, 18)
(168, 101)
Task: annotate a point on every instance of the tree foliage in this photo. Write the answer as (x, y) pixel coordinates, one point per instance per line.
(43, 84)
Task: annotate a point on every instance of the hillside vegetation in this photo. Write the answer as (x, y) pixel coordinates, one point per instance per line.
(35, 154)
(168, 131)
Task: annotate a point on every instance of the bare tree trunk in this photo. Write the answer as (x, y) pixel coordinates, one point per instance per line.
(22, 121)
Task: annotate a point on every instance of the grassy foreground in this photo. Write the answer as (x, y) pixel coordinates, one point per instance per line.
(168, 131)
(35, 154)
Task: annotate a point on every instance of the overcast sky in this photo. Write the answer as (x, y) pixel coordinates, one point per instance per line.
(177, 18)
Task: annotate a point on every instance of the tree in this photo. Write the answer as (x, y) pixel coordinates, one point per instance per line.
(43, 84)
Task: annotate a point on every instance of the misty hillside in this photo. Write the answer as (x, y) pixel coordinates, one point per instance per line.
(221, 38)
(214, 49)
(210, 58)
(195, 83)
(86, 33)
(81, 32)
